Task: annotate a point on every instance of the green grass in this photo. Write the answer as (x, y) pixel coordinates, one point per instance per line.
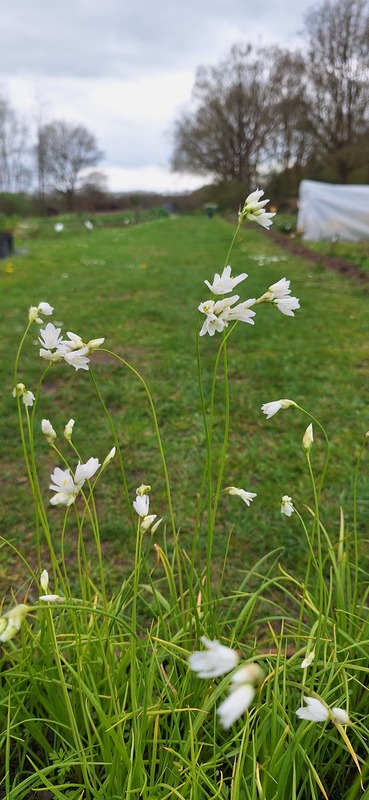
(140, 287)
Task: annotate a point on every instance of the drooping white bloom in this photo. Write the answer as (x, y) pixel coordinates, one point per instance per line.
(308, 438)
(58, 227)
(68, 430)
(236, 704)
(216, 660)
(48, 430)
(141, 505)
(88, 224)
(224, 283)
(27, 396)
(287, 305)
(247, 497)
(253, 209)
(269, 409)
(50, 336)
(74, 342)
(316, 711)
(308, 660)
(287, 505)
(43, 308)
(44, 580)
(77, 358)
(242, 692)
(212, 325)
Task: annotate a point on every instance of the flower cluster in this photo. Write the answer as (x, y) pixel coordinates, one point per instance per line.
(217, 660)
(66, 486)
(279, 294)
(254, 210)
(141, 506)
(73, 350)
(317, 711)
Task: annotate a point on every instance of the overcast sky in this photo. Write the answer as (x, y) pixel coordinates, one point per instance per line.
(125, 68)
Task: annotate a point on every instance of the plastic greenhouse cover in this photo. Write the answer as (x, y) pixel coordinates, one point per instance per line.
(330, 211)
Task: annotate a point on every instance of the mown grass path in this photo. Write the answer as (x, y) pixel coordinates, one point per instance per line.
(140, 288)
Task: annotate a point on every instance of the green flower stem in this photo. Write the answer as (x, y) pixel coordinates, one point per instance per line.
(118, 448)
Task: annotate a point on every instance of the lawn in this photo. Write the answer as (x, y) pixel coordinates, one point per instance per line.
(139, 286)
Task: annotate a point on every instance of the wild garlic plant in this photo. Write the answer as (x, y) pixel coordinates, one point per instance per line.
(167, 688)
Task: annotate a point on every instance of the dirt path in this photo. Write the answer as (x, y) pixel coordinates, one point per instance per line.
(297, 248)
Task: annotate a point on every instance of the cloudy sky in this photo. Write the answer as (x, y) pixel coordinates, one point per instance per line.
(125, 69)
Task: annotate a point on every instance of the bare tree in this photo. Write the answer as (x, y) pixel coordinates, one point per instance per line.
(337, 65)
(15, 173)
(64, 150)
(225, 135)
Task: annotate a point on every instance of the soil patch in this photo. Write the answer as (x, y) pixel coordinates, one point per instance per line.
(297, 248)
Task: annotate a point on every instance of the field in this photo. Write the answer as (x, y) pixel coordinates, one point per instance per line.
(116, 639)
(139, 286)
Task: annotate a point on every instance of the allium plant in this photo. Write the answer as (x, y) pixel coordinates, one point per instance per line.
(168, 689)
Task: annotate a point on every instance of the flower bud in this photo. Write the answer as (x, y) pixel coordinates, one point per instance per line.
(68, 430)
(308, 438)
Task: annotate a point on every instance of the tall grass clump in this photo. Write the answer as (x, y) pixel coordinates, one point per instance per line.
(174, 686)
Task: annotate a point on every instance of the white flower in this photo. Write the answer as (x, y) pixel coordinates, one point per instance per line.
(287, 505)
(216, 660)
(48, 430)
(219, 313)
(44, 580)
(247, 497)
(308, 438)
(340, 716)
(85, 471)
(141, 505)
(242, 692)
(222, 284)
(253, 209)
(50, 336)
(67, 487)
(269, 409)
(58, 227)
(280, 290)
(236, 703)
(287, 305)
(27, 396)
(64, 486)
(68, 430)
(308, 660)
(241, 312)
(77, 358)
(74, 342)
(43, 308)
(88, 225)
(316, 711)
